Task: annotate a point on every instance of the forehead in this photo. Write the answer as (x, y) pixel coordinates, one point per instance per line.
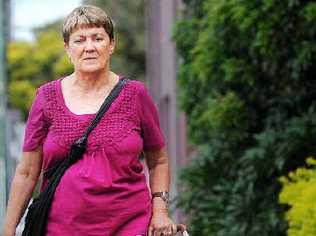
(87, 30)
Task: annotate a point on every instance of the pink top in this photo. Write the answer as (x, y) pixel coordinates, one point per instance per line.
(104, 193)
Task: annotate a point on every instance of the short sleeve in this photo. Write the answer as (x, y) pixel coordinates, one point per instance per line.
(36, 125)
(152, 135)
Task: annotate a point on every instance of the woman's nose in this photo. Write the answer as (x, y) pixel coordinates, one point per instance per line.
(89, 46)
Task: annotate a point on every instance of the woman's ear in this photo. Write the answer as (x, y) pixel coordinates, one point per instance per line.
(66, 47)
(112, 46)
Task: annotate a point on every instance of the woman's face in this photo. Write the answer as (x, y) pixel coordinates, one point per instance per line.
(89, 49)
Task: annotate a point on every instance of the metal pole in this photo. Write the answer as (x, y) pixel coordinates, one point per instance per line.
(3, 40)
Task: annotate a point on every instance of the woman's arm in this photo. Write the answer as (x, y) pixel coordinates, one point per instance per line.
(159, 176)
(23, 184)
(159, 180)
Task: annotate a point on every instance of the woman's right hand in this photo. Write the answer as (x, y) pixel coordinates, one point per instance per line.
(23, 184)
(8, 232)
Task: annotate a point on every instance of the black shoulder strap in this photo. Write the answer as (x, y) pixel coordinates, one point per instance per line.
(79, 146)
(106, 105)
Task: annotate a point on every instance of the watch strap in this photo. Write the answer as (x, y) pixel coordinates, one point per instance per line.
(163, 195)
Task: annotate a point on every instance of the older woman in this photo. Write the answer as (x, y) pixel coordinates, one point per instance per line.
(105, 192)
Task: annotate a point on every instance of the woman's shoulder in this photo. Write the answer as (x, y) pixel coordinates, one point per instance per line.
(140, 86)
(48, 90)
(49, 84)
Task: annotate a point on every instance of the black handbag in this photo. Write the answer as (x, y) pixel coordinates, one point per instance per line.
(36, 218)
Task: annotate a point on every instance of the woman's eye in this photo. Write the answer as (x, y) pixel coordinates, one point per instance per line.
(98, 38)
(78, 41)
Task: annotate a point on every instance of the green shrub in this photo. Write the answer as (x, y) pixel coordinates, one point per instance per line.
(246, 82)
(299, 192)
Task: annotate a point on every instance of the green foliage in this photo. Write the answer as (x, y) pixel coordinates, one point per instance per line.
(247, 86)
(299, 192)
(20, 63)
(21, 94)
(129, 22)
(32, 64)
(62, 66)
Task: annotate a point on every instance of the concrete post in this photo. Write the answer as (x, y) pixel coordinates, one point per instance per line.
(161, 73)
(3, 38)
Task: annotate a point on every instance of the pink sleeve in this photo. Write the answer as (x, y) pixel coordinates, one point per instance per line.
(152, 135)
(36, 124)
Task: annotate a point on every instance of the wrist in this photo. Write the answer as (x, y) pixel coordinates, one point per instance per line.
(160, 212)
(159, 205)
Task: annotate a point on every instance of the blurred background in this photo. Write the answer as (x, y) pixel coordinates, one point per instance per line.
(234, 81)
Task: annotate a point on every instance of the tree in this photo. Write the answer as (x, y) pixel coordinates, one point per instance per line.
(247, 86)
(32, 64)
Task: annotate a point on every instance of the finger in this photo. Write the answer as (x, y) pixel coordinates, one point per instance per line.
(174, 229)
(166, 232)
(159, 231)
(169, 231)
(156, 232)
(150, 231)
(181, 227)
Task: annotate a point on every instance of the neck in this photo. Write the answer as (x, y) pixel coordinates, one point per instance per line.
(93, 81)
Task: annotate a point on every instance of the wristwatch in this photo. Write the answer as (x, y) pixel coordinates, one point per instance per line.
(163, 195)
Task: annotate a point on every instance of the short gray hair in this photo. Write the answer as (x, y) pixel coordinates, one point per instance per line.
(87, 15)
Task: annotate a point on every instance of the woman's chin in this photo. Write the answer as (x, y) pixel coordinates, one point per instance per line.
(91, 69)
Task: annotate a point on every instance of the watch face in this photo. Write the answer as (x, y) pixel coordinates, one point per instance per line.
(165, 196)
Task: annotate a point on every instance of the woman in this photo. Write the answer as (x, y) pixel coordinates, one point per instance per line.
(105, 192)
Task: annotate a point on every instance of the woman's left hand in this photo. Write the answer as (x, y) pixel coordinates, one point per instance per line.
(161, 224)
